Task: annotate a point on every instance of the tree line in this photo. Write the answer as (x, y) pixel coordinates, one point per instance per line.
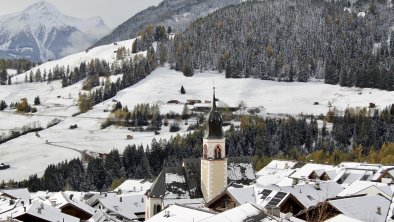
(368, 135)
(293, 41)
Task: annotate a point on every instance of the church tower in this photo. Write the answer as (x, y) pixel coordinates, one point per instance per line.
(213, 161)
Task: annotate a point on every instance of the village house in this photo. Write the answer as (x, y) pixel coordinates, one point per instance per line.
(40, 212)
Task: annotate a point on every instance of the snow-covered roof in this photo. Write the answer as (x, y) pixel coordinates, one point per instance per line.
(277, 165)
(172, 190)
(342, 218)
(285, 182)
(6, 207)
(179, 213)
(134, 186)
(383, 170)
(359, 187)
(241, 172)
(195, 202)
(275, 172)
(17, 193)
(47, 213)
(307, 194)
(172, 184)
(331, 173)
(363, 208)
(308, 168)
(68, 198)
(356, 165)
(270, 198)
(240, 213)
(126, 206)
(348, 176)
(243, 195)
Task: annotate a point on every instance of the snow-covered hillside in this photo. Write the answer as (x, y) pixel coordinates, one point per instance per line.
(42, 32)
(32, 153)
(105, 52)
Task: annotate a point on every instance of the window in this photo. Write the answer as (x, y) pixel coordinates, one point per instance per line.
(156, 209)
(310, 198)
(218, 152)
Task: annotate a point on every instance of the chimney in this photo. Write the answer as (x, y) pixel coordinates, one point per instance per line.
(167, 213)
(295, 181)
(274, 211)
(39, 210)
(317, 186)
(24, 209)
(30, 201)
(71, 196)
(120, 199)
(379, 210)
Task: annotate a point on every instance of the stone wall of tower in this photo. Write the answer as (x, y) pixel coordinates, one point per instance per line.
(150, 205)
(213, 169)
(213, 177)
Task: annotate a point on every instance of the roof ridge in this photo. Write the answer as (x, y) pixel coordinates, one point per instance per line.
(193, 208)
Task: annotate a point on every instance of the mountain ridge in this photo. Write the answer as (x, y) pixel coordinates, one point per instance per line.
(175, 13)
(41, 32)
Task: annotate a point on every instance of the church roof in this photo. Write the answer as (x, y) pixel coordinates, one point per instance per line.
(171, 183)
(240, 170)
(215, 122)
(185, 182)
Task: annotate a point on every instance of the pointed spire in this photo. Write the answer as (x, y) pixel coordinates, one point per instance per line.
(214, 99)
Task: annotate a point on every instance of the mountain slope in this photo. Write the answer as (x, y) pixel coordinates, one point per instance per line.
(175, 13)
(293, 41)
(42, 32)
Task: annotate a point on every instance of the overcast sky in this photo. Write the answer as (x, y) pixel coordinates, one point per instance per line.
(114, 12)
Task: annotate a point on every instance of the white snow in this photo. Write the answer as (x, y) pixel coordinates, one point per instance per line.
(47, 213)
(30, 154)
(361, 14)
(178, 213)
(240, 213)
(105, 52)
(42, 20)
(134, 187)
(276, 97)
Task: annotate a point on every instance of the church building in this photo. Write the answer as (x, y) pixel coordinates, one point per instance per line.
(199, 180)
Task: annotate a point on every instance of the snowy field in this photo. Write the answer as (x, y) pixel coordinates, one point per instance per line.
(31, 153)
(276, 97)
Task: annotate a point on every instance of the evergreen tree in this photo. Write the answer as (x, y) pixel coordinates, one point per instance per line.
(3, 105)
(37, 101)
(3, 77)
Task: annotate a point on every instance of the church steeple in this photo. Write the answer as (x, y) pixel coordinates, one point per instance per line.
(214, 99)
(213, 161)
(215, 122)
